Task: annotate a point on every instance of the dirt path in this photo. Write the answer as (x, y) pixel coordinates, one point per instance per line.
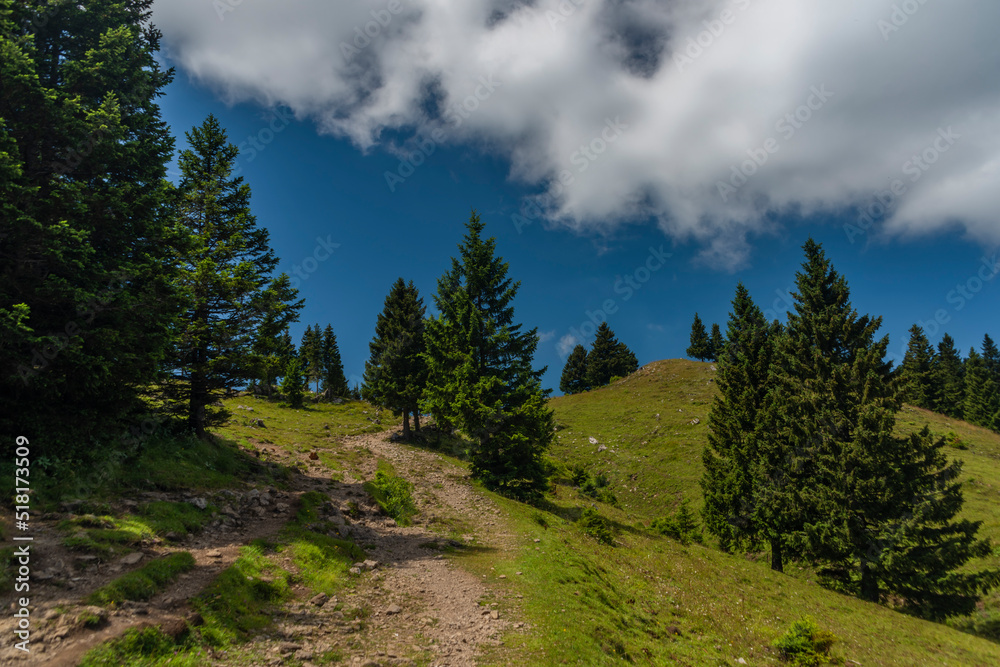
(411, 602)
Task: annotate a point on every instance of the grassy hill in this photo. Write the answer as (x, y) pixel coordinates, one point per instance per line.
(646, 434)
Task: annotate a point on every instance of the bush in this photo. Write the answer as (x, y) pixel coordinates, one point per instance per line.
(805, 645)
(984, 623)
(593, 487)
(681, 525)
(952, 440)
(394, 495)
(595, 525)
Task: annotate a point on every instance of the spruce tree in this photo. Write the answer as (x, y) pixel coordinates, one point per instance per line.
(732, 459)
(574, 375)
(716, 342)
(701, 345)
(226, 264)
(331, 365)
(918, 382)
(982, 391)
(608, 358)
(396, 373)
(949, 378)
(480, 375)
(869, 508)
(269, 349)
(311, 355)
(87, 249)
(292, 384)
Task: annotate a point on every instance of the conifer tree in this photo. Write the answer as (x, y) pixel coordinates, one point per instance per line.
(701, 345)
(227, 262)
(982, 391)
(732, 459)
(87, 245)
(949, 378)
(480, 375)
(331, 365)
(311, 354)
(875, 512)
(396, 373)
(716, 343)
(574, 375)
(608, 358)
(918, 382)
(269, 349)
(292, 384)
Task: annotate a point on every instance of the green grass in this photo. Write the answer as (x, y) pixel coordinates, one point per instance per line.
(392, 493)
(144, 583)
(108, 536)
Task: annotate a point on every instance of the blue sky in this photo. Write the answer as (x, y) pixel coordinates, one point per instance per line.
(318, 176)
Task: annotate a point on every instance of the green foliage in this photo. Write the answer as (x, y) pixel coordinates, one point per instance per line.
(226, 265)
(333, 368)
(608, 358)
(952, 440)
(144, 583)
(805, 644)
(574, 375)
(141, 647)
(311, 355)
(701, 346)
(949, 372)
(291, 384)
(982, 387)
(716, 342)
(918, 381)
(480, 375)
(597, 526)
(682, 525)
(88, 251)
(396, 373)
(597, 487)
(393, 494)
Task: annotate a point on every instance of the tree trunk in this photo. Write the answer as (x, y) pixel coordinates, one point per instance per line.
(869, 585)
(406, 424)
(416, 421)
(777, 563)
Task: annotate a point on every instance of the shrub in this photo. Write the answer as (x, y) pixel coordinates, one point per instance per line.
(952, 440)
(596, 526)
(394, 495)
(681, 525)
(805, 645)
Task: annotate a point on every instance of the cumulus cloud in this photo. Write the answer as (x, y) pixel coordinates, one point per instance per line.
(566, 344)
(716, 118)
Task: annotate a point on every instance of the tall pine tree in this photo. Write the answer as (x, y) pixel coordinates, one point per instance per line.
(608, 358)
(732, 459)
(87, 245)
(701, 345)
(269, 350)
(918, 382)
(949, 378)
(870, 508)
(716, 343)
(311, 354)
(396, 373)
(227, 262)
(480, 375)
(331, 365)
(574, 375)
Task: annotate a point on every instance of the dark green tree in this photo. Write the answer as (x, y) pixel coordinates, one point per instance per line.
(480, 375)
(331, 365)
(608, 358)
(918, 382)
(701, 345)
(396, 373)
(269, 348)
(311, 354)
(716, 342)
(87, 246)
(732, 459)
(293, 383)
(872, 507)
(574, 375)
(982, 392)
(949, 378)
(227, 263)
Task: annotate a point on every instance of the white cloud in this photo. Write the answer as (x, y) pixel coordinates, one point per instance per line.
(546, 336)
(560, 75)
(566, 344)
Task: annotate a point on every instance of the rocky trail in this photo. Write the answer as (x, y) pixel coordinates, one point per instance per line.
(407, 603)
